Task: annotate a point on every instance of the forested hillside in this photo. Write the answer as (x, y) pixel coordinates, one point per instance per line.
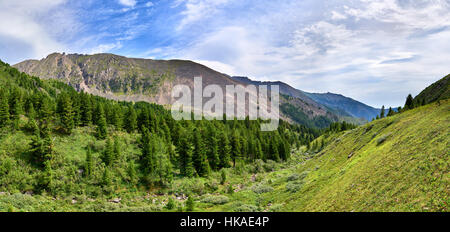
(56, 141)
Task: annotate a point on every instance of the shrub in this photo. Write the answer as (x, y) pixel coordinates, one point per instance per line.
(270, 166)
(261, 188)
(246, 208)
(294, 186)
(171, 204)
(275, 208)
(383, 138)
(216, 200)
(293, 177)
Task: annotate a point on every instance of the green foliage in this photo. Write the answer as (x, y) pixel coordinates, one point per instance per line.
(190, 204)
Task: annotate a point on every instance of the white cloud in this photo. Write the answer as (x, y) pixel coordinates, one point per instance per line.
(374, 51)
(149, 4)
(26, 30)
(128, 3)
(102, 48)
(197, 10)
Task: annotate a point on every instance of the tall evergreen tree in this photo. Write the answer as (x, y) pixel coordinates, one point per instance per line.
(185, 156)
(4, 109)
(108, 153)
(390, 112)
(201, 164)
(224, 151)
(66, 113)
(382, 112)
(235, 147)
(89, 163)
(131, 120)
(409, 104)
(101, 123)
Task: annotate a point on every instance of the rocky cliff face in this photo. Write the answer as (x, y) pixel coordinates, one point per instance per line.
(130, 79)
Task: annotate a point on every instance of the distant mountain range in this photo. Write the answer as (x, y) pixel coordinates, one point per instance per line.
(131, 79)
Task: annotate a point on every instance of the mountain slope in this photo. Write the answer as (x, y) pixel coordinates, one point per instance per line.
(439, 90)
(341, 103)
(130, 79)
(400, 163)
(335, 103)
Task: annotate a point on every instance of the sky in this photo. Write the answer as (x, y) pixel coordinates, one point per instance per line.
(375, 51)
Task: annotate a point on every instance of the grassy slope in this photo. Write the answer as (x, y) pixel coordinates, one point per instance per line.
(409, 171)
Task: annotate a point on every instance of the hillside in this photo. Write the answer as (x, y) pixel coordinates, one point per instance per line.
(336, 104)
(400, 163)
(350, 106)
(439, 90)
(129, 79)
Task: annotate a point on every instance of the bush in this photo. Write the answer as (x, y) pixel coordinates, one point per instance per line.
(293, 177)
(294, 186)
(216, 200)
(171, 204)
(383, 138)
(261, 188)
(270, 166)
(245, 208)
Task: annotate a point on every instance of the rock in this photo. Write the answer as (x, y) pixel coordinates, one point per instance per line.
(116, 200)
(2, 193)
(74, 201)
(350, 155)
(29, 193)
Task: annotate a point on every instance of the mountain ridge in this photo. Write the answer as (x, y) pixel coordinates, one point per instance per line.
(136, 79)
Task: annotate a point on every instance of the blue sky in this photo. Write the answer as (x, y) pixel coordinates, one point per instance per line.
(374, 51)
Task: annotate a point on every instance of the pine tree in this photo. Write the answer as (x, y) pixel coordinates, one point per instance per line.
(185, 155)
(390, 112)
(86, 109)
(235, 148)
(89, 163)
(117, 151)
(259, 152)
(101, 124)
(148, 151)
(201, 164)
(66, 113)
(382, 112)
(409, 104)
(131, 120)
(273, 150)
(224, 151)
(4, 109)
(108, 153)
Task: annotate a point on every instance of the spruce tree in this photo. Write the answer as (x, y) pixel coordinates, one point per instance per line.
(185, 155)
(224, 151)
(382, 112)
(4, 109)
(108, 153)
(201, 164)
(131, 120)
(390, 112)
(409, 104)
(117, 151)
(101, 124)
(66, 114)
(148, 151)
(235, 147)
(89, 163)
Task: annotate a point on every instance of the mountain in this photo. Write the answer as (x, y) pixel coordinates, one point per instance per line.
(340, 105)
(345, 104)
(130, 79)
